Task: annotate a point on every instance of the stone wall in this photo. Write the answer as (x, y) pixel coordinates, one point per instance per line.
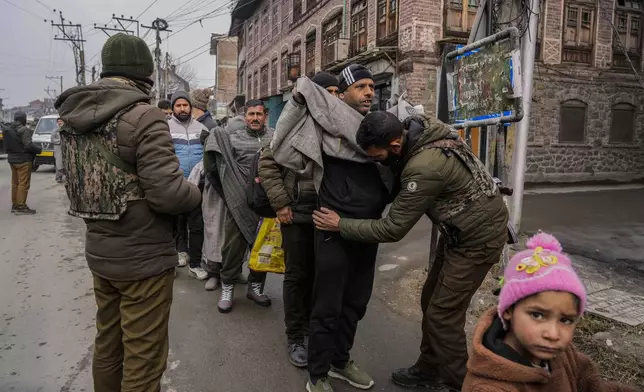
(596, 159)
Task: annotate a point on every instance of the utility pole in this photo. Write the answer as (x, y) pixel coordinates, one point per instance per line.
(159, 25)
(57, 78)
(528, 50)
(93, 74)
(166, 75)
(120, 28)
(122, 20)
(73, 33)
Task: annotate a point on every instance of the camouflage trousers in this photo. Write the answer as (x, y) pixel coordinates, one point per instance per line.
(131, 347)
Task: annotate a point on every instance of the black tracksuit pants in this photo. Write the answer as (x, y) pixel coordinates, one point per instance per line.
(298, 245)
(190, 235)
(344, 272)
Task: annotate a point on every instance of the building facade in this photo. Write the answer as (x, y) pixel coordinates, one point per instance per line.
(225, 50)
(588, 104)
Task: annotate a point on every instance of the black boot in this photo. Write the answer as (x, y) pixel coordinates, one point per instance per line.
(413, 377)
(298, 354)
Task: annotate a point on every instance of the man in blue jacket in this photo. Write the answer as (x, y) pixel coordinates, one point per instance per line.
(185, 132)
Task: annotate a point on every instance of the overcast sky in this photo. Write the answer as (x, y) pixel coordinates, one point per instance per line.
(28, 52)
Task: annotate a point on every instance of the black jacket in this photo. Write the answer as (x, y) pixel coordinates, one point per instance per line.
(18, 144)
(207, 120)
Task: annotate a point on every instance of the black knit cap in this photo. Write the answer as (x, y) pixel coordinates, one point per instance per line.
(127, 56)
(325, 80)
(352, 73)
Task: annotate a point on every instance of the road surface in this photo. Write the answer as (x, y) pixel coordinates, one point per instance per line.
(47, 316)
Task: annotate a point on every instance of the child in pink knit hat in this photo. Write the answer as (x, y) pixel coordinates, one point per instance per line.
(525, 344)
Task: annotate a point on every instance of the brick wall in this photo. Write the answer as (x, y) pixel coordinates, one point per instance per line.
(595, 158)
(553, 14)
(226, 64)
(604, 37)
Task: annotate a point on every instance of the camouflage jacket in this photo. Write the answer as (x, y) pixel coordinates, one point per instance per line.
(442, 179)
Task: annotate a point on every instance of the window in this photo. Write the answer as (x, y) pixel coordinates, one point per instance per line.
(628, 22)
(358, 27)
(274, 76)
(330, 35)
(572, 128)
(310, 54)
(250, 86)
(622, 126)
(297, 10)
(263, 82)
(460, 16)
(275, 19)
(578, 32)
(295, 62)
(251, 42)
(240, 87)
(285, 13)
(256, 86)
(387, 18)
(265, 28)
(284, 74)
(381, 95)
(310, 4)
(256, 44)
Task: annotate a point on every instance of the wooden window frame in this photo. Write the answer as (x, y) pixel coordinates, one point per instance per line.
(250, 86)
(632, 11)
(573, 104)
(331, 30)
(624, 107)
(275, 19)
(251, 40)
(266, 27)
(284, 69)
(242, 81)
(285, 14)
(454, 11)
(576, 51)
(309, 54)
(359, 16)
(297, 10)
(386, 19)
(263, 81)
(274, 73)
(256, 84)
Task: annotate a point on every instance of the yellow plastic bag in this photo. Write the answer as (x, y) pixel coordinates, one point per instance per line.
(267, 254)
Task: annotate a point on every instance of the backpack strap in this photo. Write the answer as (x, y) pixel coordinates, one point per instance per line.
(110, 156)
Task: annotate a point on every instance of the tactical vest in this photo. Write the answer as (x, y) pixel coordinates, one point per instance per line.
(482, 184)
(99, 183)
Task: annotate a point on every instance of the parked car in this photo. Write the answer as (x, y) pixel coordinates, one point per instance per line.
(42, 138)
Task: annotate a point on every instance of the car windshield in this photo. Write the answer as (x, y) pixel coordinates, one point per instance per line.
(46, 126)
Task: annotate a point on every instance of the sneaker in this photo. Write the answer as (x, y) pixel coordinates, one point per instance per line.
(24, 210)
(353, 375)
(183, 259)
(240, 279)
(13, 208)
(297, 354)
(255, 294)
(413, 377)
(211, 284)
(198, 272)
(322, 385)
(225, 304)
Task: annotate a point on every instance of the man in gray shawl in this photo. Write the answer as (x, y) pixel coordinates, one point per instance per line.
(227, 160)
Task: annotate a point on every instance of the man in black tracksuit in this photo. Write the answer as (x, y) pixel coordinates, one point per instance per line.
(293, 197)
(344, 269)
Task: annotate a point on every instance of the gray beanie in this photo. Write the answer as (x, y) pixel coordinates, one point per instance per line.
(180, 94)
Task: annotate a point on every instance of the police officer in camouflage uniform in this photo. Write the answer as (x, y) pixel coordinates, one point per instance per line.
(439, 177)
(123, 179)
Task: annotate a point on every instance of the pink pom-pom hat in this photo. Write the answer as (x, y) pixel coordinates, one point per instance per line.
(541, 267)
